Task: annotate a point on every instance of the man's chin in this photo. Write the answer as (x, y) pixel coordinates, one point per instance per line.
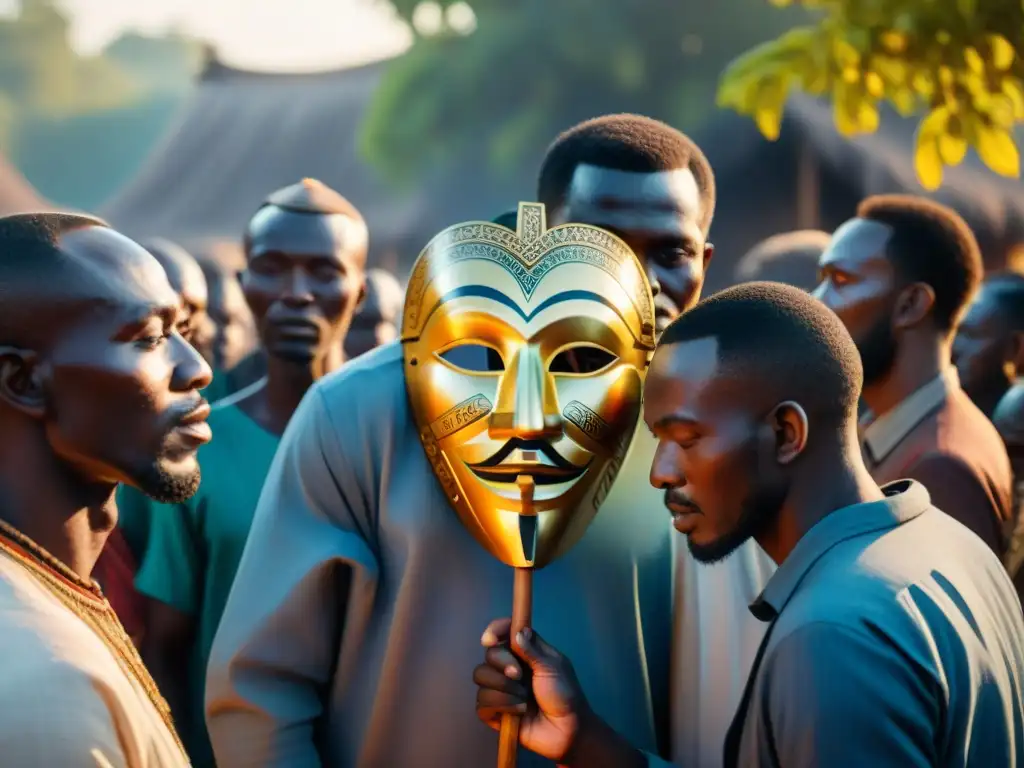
(169, 486)
(716, 550)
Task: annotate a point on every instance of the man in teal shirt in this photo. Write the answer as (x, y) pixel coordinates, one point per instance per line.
(306, 254)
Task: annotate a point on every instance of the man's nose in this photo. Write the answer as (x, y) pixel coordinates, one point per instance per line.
(665, 471)
(299, 292)
(192, 372)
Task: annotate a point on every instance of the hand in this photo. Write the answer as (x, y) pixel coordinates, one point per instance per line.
(548, 696)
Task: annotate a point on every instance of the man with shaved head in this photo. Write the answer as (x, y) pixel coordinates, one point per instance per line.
(789, 257)
(306, 254)
(97, 388)
(116, 567)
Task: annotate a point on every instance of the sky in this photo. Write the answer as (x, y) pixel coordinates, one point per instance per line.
(259, 34)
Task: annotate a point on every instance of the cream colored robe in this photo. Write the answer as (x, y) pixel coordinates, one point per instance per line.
(65, 702)
(304, 675)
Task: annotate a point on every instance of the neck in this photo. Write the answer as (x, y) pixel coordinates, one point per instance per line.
(44, 499)
(825, 483)
(288, 382)
(917, 362)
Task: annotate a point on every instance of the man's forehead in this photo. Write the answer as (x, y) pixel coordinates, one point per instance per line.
(692, 361)
(274, 229)
(856, 241)
(672, 191)
(116, 269)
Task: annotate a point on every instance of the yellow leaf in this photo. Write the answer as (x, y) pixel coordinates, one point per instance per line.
(1001, 111)
(928, 163)
(905, 101)
(952, 149)
(934, 124)
(771, 101)
(1002, 52)
(924, 83)
(893, 42)
(851, 74)
(974, 61)
(996, 149)
(846, 108)
(873, 84)
(1012, 89)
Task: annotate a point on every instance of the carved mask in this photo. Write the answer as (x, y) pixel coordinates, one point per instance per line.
(525, 354)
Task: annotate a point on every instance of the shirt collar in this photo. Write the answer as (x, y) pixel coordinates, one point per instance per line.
(883, 434)
(904, 500)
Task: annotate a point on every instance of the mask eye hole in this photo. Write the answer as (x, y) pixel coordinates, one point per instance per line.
(473, 358)
(582, 359)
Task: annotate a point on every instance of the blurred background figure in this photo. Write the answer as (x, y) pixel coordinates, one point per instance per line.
(187, 278)
(989, 346)
(233, 336)
(789, 257)
(378, 319)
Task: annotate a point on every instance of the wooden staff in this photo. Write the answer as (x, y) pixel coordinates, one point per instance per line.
(522, 612)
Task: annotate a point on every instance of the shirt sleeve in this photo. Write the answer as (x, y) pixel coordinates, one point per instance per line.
(841, 697)
(306, 574)
(171, 570)
(958, 492)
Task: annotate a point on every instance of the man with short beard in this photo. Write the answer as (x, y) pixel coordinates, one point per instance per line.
(97, 388)
(306, 253)
(893, 638)
(900, 276)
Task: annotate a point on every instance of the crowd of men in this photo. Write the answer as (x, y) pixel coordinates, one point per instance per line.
(832, 583)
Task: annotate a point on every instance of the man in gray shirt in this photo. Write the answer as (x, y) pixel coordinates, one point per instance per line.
(894, 637)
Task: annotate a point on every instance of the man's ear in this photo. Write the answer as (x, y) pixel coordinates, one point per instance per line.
(913, 305)
(789, 421)
(361, 300)
(709, 253)
(20, 383)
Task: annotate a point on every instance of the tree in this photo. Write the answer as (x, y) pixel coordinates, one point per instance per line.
(958, 63)
(529, 69)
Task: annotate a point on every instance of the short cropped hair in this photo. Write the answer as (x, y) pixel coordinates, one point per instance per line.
(1007, 290)
(792, 346)
(624, 143)
(930, 244)
(30, 256)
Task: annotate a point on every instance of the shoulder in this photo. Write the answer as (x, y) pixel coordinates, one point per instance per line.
(377, 378)
(967, 434)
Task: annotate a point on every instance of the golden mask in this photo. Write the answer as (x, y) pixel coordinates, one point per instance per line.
(525, 354)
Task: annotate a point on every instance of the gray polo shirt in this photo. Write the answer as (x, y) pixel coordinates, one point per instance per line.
(895, 638)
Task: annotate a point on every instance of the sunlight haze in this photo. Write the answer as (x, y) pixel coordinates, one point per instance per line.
(258, 34)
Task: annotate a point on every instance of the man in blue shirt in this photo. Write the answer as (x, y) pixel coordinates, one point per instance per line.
(894, 637)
